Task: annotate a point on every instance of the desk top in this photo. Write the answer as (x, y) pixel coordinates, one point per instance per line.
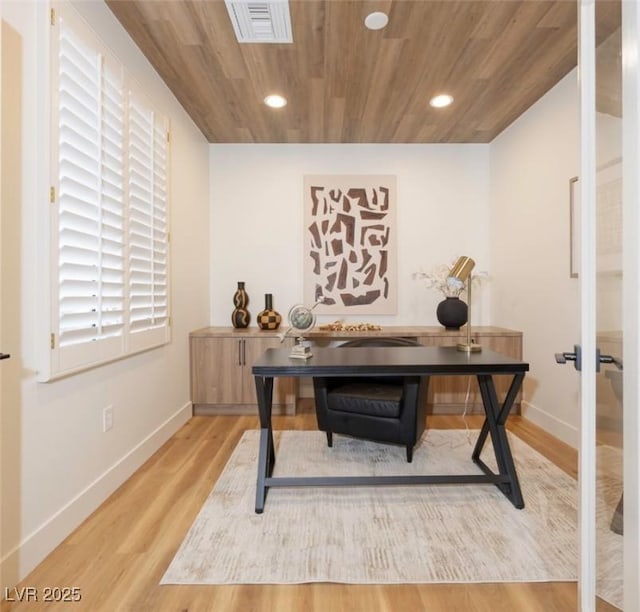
(390, 361)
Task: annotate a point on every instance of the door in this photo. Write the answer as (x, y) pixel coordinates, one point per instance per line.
(609, 335)
(282, 387)
(10, 373)
(2, 581)
(4, 117)
(216, 370)
(608, 194)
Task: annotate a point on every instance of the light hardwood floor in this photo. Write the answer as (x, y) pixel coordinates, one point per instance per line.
(119, 554)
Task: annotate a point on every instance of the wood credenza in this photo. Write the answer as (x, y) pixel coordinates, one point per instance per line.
(221, 359)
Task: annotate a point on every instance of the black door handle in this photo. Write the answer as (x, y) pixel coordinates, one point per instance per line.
(4, 355)
(607, 359)
(576, 356)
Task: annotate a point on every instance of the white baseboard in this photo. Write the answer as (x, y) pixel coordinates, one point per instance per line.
(37, 545)
(549, 422)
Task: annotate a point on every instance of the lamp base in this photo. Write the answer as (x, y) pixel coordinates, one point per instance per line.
(296, 355)
(469, 348)
(302, 350)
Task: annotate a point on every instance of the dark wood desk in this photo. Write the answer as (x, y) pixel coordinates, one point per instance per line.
(395, 361)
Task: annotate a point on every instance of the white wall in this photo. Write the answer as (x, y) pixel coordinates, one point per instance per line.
(257, 219)
(531, 164)
(57, 464)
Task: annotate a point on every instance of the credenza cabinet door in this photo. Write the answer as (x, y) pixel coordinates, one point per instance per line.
(221, 377)
(451, 394)
(217, 372)
(507, 345)
(448, 393)
(282, 387)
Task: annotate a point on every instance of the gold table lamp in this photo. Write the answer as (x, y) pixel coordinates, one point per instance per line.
(458, 275)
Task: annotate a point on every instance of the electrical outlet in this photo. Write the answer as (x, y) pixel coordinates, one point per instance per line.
(107, 418)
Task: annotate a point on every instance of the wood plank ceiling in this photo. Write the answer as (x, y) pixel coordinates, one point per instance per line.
(347, 84)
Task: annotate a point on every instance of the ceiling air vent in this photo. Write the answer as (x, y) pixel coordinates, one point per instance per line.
(260, 22)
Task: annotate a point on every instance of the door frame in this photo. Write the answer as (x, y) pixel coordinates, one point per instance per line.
(631, 302)
(2, 582)
(631, 298)
(587, 454)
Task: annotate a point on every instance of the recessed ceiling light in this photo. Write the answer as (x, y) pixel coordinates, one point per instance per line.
(441, 101)
(376, 21)
(275, 101)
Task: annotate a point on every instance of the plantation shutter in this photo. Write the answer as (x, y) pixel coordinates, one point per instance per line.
(90, 173)
(109, 239)
(148, 222)
(78, 190)
(161, 224)
(112, 234)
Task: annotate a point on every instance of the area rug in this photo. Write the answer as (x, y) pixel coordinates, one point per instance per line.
(389, 534)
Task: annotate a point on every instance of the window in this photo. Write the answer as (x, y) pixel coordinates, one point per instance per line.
(109, 188)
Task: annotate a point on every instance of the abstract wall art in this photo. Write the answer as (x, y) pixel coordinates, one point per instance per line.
(350, 244)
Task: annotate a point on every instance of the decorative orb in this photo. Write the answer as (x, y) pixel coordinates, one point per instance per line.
(301, 318)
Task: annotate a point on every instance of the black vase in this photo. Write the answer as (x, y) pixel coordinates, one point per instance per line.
(452, 313)
(269, 318)
(240, 317)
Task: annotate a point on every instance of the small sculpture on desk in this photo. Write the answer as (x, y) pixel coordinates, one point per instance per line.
(301, 320)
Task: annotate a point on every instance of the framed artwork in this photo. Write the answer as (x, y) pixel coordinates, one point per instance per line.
(608, 219)
(350, 244)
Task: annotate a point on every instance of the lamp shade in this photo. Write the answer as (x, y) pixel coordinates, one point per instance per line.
(460, 271)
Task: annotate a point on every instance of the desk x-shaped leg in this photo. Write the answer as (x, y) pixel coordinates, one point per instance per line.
(494, 424)
(506, 480)
(266, 455)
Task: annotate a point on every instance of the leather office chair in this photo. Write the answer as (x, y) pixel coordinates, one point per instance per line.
(384, 409)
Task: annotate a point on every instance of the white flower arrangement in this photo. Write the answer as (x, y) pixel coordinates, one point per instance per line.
(437, 279)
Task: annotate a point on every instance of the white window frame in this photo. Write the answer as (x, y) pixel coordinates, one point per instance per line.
(138, 317)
